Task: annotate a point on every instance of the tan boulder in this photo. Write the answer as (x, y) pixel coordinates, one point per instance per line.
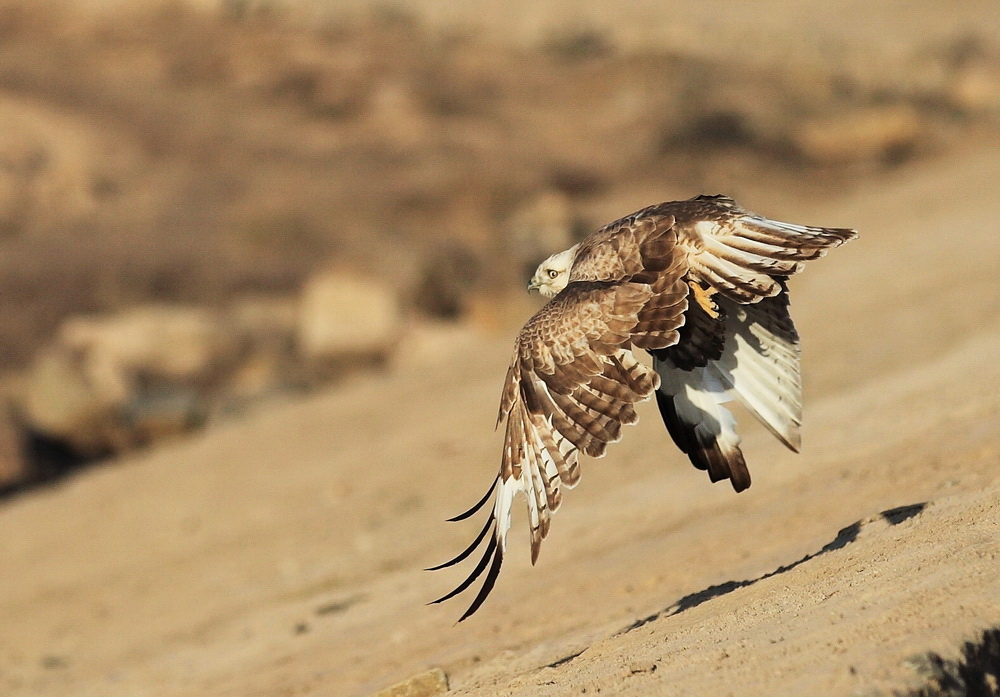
(177, 343)
(107, 383)
(59, 402)
(427, 684)
(346, 319)
(875, 134)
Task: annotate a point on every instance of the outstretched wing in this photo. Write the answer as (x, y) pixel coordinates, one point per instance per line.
(738, 340)
(732, 251)
(743, 255)
(571, 386)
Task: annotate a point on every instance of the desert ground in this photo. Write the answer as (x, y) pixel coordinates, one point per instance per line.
(281, 553)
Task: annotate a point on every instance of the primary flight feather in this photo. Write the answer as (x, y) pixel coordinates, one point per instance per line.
(700, 285)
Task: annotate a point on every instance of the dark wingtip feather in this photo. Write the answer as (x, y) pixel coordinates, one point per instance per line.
(491, 579)
(491, 550)
(845, 234)
(477, 506)
(739, 474)
(468, 550)
(739, 482)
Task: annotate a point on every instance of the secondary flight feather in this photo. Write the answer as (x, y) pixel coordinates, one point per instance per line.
(699, 284)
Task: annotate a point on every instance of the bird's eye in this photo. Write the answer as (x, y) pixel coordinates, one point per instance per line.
(553, 273)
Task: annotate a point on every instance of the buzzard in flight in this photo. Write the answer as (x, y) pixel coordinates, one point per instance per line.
(700, 285)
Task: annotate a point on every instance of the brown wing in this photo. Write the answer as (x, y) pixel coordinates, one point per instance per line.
(731, 250)
(740, 254)
(571, 386)
(738, 340)
(638, 247)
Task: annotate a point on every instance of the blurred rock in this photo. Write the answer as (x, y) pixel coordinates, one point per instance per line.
(433, 682)
(875, 134)
(114, 382)
(14, 467)
(448, 278)
(60, 403)
(148, 344)
(107, 384)
(162, 413)
(977, 90)
(347, 320)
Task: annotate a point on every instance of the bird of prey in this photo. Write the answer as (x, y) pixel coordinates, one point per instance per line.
(701, 285)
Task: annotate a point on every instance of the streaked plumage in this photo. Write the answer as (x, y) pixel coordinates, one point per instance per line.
(699, 284)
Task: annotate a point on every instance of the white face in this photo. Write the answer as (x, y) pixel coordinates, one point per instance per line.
(552, 275)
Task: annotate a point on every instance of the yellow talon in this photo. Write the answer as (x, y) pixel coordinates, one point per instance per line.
(703, 296)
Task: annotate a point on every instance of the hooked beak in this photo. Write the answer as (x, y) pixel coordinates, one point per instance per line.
(533, 285)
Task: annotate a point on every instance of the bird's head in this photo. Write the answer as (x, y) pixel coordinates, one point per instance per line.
(552, 275)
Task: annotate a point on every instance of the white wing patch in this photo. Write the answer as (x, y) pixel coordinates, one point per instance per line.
(692, 402)
(760, 365)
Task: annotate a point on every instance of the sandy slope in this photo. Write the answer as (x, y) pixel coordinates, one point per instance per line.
(281, 556)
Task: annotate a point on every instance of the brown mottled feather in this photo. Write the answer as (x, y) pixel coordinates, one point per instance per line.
(634, 248)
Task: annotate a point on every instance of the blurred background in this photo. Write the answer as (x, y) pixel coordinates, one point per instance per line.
(264, 259)
(207, 205)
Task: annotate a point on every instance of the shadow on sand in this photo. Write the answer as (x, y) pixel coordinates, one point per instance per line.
(893, 516)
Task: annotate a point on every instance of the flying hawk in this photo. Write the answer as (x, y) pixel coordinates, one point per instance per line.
(699, 284)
